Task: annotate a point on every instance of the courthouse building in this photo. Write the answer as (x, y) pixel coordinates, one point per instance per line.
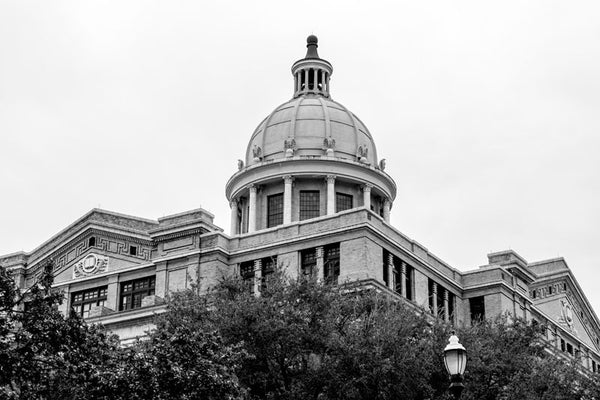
(312, 197)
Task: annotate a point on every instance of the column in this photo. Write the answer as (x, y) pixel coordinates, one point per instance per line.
(386, 210)
(367, 196)
(257, 276)
(306, 80)
(287, 199)
(320, 264)
(161, 286)
(112, 295)
(234, 217)
(391, 280)
(323, 81)
(315, 80)
(330, 194)
(434, 294)
(446, 309)
(403, 279)
(252, 210)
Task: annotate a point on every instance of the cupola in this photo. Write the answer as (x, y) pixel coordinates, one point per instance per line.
(309, 158)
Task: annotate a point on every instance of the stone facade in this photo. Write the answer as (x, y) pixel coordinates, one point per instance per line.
(311, 197)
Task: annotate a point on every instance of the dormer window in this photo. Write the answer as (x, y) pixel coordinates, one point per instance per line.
(92, 241)
(133, 250)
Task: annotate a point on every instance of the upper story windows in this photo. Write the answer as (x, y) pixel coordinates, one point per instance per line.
(477, 305)
(343, 202)
(331, 262)
(310, 203)
(308, 262)
(402, 275)
(274, 210)
(133, 250)
(92, 241)
(83, 301)
(133, 292)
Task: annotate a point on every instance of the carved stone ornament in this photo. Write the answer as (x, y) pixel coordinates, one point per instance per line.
(363, 152)
(256, 153)
(240, 165)
(92, 264)
(382, 164)
(566, 315)
(328, 145)
(289, 145)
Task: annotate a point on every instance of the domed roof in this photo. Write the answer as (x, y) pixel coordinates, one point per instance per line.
(311, 125)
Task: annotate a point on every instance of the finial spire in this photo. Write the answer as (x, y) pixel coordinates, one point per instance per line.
(312, 73)
(312, 44)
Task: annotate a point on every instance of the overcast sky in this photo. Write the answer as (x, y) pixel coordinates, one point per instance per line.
(488, 113)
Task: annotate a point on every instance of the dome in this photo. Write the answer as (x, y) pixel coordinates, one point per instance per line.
(311, 126)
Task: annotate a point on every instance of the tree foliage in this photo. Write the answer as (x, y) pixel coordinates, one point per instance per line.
(300, 339)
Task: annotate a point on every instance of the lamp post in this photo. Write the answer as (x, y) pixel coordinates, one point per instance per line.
(455, 359)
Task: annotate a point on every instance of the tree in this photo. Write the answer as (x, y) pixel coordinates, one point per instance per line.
(45, 355)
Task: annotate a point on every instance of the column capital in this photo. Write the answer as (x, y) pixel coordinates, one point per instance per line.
(288, 178)
(366, 187)
(252, 188)
(233, 203)
(330, 178)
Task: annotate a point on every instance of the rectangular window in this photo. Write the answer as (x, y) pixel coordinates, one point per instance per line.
(477, 305)
(83, 301)
(593, 366)
(308, 262)
(570, 348)
(132, 292)
(267, 268)
(451, 300)
(274, 210)
(430, 294)
(343, 202)
(410, 274)
(247, 274)
(133, 250)
(385, 270)
(331, 263)
(563, 347)
(309, 204)
(441, 311)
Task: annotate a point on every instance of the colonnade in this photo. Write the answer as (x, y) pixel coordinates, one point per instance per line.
(287, 203)
(303, 77)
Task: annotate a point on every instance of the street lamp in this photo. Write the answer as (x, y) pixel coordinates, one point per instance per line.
(455, 359)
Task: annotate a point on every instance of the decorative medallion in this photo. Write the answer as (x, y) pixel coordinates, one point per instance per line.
(92, 264)
(566, 315)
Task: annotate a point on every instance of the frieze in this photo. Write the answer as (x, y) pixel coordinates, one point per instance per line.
(92, 264)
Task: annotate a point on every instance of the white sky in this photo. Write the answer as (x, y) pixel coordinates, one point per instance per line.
(487, 113)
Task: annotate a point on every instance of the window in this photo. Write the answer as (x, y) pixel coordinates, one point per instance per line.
(451, 301)
(477, 305)
(92, 241)
(386, 278)
(83, 301)
(593, 366)
(441, 309)
(410, 273)
(562, 345)
(309, 204)
(331, 263)
(274, 210)
(308, 262)
(267, 268)
(570, 348)
(534, 294)
(550, 289)
(132, 292)
(343, 202)
(133, 250)
(247, 274)
(430, 294)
